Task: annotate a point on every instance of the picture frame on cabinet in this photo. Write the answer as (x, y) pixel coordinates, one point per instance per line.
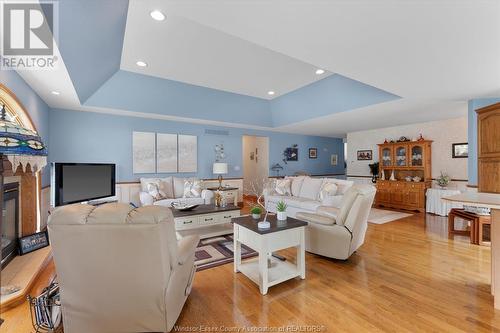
(313, 153)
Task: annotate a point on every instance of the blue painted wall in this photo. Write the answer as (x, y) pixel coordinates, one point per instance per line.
(35, 106)
(94, 137)
(141, 93)
(475, 104)
(333, 94)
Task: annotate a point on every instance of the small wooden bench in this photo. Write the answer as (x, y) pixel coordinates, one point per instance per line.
(476, 225)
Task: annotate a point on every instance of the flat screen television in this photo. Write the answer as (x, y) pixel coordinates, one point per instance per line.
(79, 182)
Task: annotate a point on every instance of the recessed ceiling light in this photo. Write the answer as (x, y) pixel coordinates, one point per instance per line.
(55, 92)
(320, 71)
(141, 64)
(157, 15)
(270, 92)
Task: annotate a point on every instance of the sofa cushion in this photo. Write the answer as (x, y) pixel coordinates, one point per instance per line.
(167, 187)
(178, 185)
(294, 201)
(311, 205)
(328, 211)
(275, 198)
(332, 201)
(342, 185)
(296, 184)
(283, 186)
(315, 218)
(310, 188)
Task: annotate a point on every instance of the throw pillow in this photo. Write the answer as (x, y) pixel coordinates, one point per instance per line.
(192, 188)
(283, 186)
(146, 181)
(310, 188)
(155, 192)
(167, 187)
(296, 184)
(328, 189)
(342, 185)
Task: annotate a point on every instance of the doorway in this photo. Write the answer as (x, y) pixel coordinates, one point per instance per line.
(255, 164)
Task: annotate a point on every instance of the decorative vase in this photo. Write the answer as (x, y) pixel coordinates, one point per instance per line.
(256, 216)
(393, 177)
(281, 216)
(382, 175)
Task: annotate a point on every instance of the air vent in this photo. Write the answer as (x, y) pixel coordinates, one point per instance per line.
(216, 132)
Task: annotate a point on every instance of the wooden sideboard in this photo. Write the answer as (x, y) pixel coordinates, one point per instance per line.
(404, 159)
(488, 138)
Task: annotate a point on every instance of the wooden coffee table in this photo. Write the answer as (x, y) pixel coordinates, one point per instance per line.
(205, 220)
(280, 236)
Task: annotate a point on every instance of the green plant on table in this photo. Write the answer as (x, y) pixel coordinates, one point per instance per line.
(281, 206)
(256, 210)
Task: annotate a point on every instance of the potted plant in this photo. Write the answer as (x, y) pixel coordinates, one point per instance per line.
(443, 180)
(281, 209)
(256, 211)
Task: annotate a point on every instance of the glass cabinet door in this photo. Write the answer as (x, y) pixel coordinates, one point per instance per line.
(417, 155)
(400, 154)
(387, 156)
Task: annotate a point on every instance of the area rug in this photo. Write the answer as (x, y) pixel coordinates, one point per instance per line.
(216, 251)
(381, 216)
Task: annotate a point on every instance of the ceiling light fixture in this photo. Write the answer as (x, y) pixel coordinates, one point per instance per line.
(320, 71)
(270, 92)
(141, 64)
(157, 15)
(55, 92)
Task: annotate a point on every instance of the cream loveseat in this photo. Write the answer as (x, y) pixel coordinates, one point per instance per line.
(120, 269)
(338, 232)
(305, 194)
(174, 190)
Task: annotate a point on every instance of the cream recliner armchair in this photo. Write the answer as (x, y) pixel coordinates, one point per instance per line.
(338, 232)
(120, 269)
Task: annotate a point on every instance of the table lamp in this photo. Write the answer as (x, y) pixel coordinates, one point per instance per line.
(220, 169)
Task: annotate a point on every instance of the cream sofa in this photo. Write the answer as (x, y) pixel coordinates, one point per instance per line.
(304, 194)
(120, 269)
(174, 188)
(338, 232)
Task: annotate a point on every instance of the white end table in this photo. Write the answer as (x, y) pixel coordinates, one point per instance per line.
(280, 236)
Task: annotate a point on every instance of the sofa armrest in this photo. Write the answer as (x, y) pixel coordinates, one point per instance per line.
(207, 195)
(146, 199)
(186, 247)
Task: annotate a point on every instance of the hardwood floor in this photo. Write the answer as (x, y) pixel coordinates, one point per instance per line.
(407, 277)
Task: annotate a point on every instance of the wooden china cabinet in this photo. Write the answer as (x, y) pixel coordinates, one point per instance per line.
(404, 159)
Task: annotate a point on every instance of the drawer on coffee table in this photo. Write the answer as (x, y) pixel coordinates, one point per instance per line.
(227, 216)
(187, 222)
(208, 219)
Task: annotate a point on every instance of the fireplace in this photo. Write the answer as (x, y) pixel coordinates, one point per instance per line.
(10, 223)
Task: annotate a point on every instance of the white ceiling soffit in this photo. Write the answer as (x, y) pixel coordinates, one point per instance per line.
(183, 50)
(442, 49)
(394, 113)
